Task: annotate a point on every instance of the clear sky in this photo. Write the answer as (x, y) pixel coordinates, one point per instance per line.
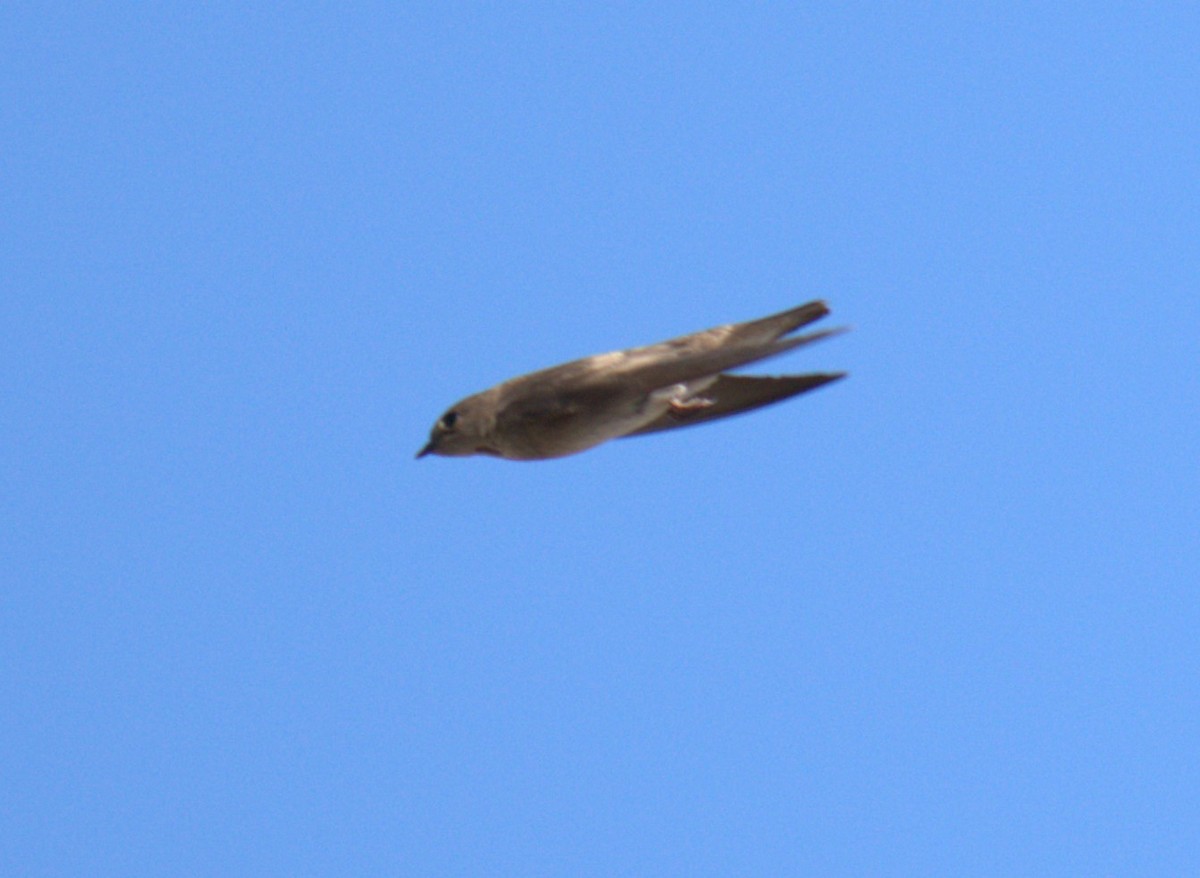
(938, 619)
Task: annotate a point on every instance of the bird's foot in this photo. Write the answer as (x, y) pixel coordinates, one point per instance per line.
(681, 407)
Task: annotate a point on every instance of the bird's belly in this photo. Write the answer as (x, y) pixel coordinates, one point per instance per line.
(583, 432)
(592, 426)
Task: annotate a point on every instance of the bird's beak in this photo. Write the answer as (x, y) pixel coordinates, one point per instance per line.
(428, 449)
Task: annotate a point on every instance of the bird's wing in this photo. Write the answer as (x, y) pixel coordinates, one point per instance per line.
(690, 356)
(735, 394)
(650, 373)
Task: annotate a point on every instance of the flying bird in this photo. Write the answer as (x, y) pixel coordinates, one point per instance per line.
(677, 383)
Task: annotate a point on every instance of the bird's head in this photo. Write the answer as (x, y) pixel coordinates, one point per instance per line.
(463, 430)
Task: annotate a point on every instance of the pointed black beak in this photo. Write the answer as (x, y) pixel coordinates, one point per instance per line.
(428, 449)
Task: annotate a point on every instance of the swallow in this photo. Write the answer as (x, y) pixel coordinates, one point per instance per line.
(677, 383)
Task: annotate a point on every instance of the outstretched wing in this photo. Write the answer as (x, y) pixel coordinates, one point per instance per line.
(736, 394)
(689, 357)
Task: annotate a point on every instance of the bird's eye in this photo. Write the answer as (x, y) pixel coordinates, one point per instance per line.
(449, 420)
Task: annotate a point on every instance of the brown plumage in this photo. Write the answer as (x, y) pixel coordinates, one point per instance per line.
(675, 383)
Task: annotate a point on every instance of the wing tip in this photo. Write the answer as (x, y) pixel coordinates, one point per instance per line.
(809, 311)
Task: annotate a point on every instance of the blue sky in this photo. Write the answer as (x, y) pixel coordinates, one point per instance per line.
(938, 619)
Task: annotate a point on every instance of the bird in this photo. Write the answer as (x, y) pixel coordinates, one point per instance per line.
(676, 383)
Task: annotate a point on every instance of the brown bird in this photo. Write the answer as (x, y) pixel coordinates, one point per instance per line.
(676, 383)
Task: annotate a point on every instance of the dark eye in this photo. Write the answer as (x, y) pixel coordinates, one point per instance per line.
(449, 420)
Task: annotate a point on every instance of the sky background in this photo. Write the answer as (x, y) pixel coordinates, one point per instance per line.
(938, 619)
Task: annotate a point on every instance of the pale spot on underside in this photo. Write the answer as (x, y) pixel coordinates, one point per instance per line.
(684, 395)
